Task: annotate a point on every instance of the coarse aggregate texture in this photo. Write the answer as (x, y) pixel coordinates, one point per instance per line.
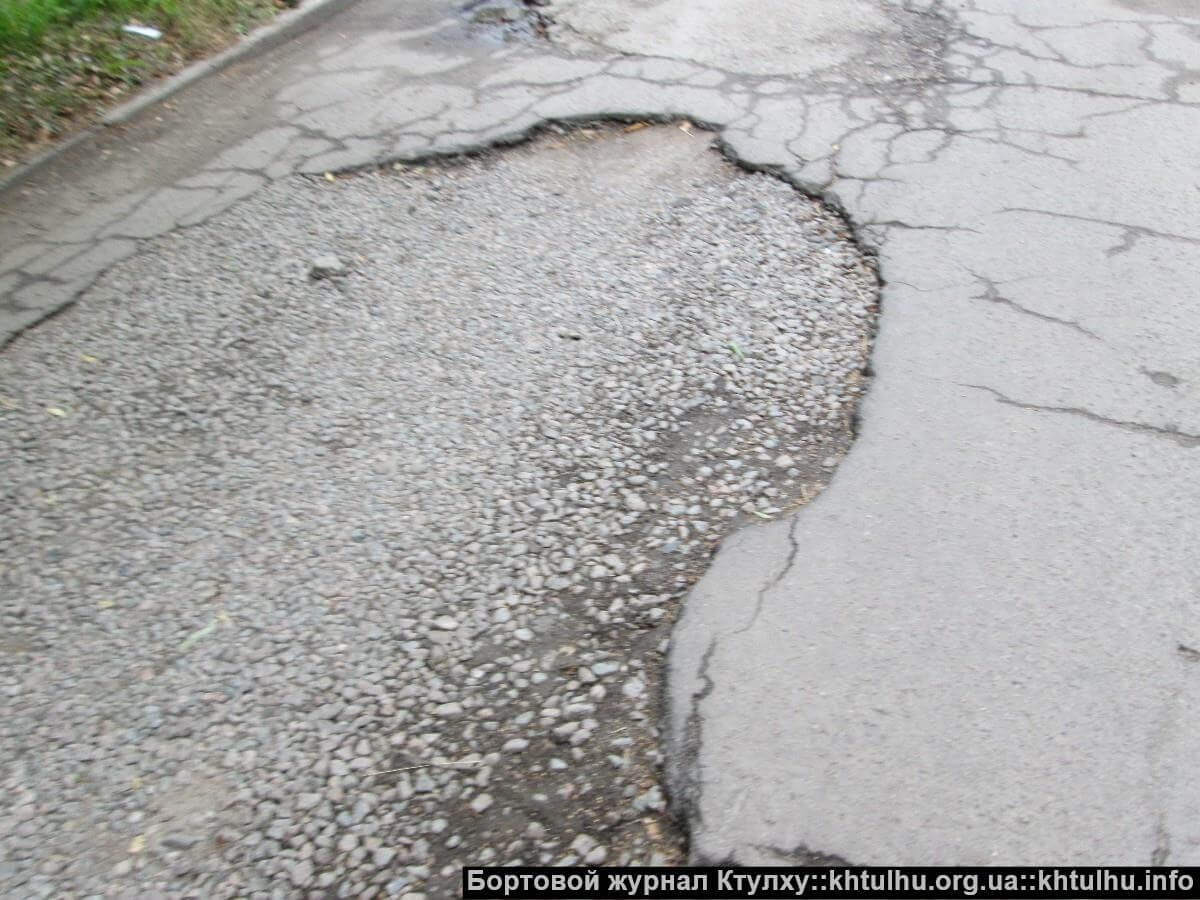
(334, 574)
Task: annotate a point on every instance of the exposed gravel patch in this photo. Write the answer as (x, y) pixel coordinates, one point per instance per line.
(276, 523)
(505, 20)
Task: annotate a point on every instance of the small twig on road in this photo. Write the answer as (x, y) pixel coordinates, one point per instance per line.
(428, 765)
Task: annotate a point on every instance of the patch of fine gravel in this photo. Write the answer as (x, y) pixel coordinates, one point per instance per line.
(408, 472)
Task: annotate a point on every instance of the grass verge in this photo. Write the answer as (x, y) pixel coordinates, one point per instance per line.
(66, 61)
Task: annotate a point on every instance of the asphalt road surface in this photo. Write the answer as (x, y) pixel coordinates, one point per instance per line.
(979, 644)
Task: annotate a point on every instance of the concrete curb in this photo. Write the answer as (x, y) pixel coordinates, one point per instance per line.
(283, 27)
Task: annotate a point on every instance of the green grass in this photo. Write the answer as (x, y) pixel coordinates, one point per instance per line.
(24, 24)
(62, 62)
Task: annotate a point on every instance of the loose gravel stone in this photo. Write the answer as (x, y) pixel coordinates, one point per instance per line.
(329, 266)
(334, 585)
(301, 873)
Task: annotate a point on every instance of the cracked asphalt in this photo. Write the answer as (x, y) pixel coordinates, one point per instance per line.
(978, 644)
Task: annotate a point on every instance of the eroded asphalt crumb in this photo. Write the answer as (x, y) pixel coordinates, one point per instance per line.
(267, 536)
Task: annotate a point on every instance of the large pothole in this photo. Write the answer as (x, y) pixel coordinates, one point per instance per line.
(344, 582)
